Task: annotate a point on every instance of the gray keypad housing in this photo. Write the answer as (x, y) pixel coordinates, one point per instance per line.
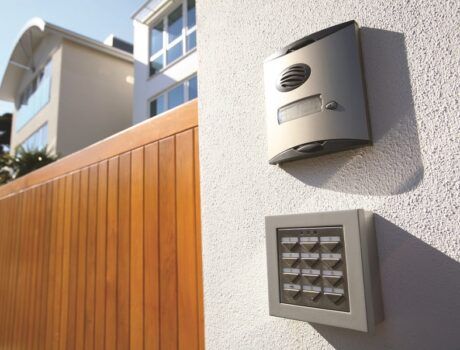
(312, 267)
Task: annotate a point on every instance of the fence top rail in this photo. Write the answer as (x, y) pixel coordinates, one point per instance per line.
(154, 129)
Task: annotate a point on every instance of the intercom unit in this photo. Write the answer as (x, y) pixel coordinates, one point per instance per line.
(323, 268)
(315, 95)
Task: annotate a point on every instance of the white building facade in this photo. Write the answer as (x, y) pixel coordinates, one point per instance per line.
(165, 57)
(69, 90)
(409, 177)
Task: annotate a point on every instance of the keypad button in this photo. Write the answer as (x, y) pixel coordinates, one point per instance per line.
(289, 242)
(290, 259)
(333, 277)
(292, 291)
(311, 275)
(331, 259)
(309, 243)
(310, 258)
(311, 292)
(336, 295)
(291, 274)
(330, 242)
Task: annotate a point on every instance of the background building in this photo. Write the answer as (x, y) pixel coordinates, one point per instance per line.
(69, 90)
(165, 57)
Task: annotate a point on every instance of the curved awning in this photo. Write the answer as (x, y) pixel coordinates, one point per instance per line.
(27, 41)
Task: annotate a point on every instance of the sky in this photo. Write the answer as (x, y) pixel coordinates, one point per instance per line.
(94, 18)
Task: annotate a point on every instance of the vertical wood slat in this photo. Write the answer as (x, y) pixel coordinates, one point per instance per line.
(112, 246)
(9, 282)
(91, 258)
(38, 293)
(81, 269)
(9, 334)
(151, 249)
(123, 264)
(73, 272)
(137, 250)
(106, 256)
(26, 241)
(64, 312)
(186, 246)
(199, 267)
(40, 344)
(59, 254)
(101, 244)
(168, 250)
(22, 260)
(28, 266)
(51, 266)
(33, 289)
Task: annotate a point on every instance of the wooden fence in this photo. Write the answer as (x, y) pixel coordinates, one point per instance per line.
(102, 249)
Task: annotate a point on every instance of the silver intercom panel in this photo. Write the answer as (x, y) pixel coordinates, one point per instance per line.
(315, 95)
(323, 268)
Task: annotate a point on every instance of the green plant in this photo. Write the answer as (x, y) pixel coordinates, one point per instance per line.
(23, 162)
(6, 171)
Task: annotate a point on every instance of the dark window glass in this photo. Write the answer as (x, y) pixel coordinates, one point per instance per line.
(156, 38)
(176, 96)
(191, 41)
(174, 53)
(175, 24)
(157, 106)
(192, 88)
(191, 13)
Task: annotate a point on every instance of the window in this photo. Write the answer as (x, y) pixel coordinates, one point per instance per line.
(35, 96)
(173, 36)
(157, 106)
(38, 140)
(174, 97)
(193, 88)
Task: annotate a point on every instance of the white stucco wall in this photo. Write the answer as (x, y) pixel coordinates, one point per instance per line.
(96, 96)
(409, 178)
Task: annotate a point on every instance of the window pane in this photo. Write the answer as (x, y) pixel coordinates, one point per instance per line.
(176, 96)
(156, 65)
(191, 13)
(174, 52)
(192, 88)
(35, 96)
(156, 38)
(157, 106)
(175, 24)
(191, 41)
(38, 140)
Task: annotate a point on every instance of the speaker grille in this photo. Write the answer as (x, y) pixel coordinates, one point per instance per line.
(293, 76)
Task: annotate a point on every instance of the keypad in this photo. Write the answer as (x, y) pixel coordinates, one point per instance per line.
(312, 267)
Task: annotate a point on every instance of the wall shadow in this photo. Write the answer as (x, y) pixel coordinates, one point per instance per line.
(393, 164)
(421, 296)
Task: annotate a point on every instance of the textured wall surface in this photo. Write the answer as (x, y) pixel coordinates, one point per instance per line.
(409, 178)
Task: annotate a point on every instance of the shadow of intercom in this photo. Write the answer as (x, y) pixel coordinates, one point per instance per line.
(393, 164)
(421, 297)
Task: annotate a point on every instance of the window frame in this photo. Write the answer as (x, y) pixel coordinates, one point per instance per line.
(185, 83)
(186, 31)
